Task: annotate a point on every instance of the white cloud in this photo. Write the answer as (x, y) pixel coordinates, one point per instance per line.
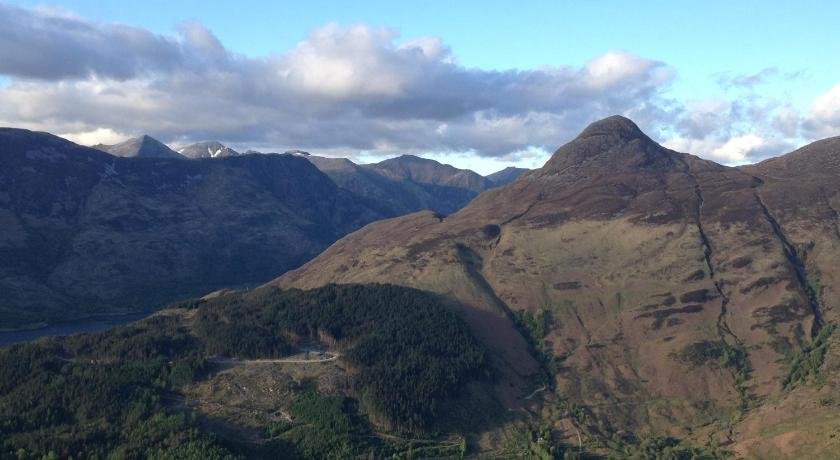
(744, 127)
(827, 105)
(345, 62)
(359, 89)
(824, 116)
(346, 88)
(97, 136)
(616, 67)
(787, 121)
(737, 149)
(689, 145)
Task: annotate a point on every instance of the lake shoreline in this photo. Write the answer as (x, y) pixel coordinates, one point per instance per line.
(32, 327)
(46, 324)
(86, 324)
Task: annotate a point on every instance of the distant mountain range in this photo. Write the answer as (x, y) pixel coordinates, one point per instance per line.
(407, 183)
(209, 149)
(85, 232)
(88, 232)
(394, 187)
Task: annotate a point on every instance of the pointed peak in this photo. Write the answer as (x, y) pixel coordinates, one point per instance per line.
(142, 146)
(612, 144)
(147, 139)
(615, 126)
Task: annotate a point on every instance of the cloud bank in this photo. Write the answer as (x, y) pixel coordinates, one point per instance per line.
(356, 89)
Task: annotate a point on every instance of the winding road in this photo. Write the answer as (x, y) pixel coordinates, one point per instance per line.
(295, 359)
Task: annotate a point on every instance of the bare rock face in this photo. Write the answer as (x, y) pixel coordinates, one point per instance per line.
(82, 231)
(672, 287)
(208, 149)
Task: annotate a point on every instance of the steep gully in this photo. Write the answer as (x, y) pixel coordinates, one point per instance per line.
(708, 252)
(722, 326)
(798, 266)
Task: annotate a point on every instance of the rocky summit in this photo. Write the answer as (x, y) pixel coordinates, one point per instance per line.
(207, 149)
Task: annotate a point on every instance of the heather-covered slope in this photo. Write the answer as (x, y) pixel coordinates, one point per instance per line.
(662, 293)
(801, 191)
(83, 231)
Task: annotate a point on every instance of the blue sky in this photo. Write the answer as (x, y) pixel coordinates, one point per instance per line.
(739, 61)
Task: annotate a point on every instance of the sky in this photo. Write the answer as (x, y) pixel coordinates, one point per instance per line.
(478, 86)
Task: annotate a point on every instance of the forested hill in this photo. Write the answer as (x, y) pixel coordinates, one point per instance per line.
(403, 362)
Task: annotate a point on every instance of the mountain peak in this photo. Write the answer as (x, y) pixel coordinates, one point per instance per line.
(409, 157)
(143, 146)
(429, 171)
(207, 149)
(506, 176)
(612, 144)
(615, 126)
(148, 141)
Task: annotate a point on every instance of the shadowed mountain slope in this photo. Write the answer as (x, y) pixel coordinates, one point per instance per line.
(430, 172)
(506, 176)
(406, 184)
(84, 231)
(391, 197)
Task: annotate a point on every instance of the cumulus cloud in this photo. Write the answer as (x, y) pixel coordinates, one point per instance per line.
(48, 44)
(737, 149)
(741, 125)
(356, 89)
(824, 117)
(97, 136)
(736, 135)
